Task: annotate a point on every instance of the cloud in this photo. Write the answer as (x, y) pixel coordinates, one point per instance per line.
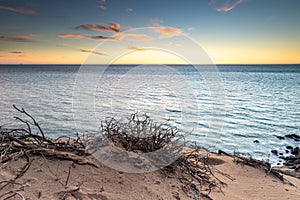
(27, 37)
(129, 10)
(136, 48)
(100, 37)
(114, 27)
(227, 5)
(17, 52)
(20, 38)
(136, 37)
(102, 7)
(83, 50)
(92, 51)
(165, 31)
(19, 10)
(81, 36)
(72, 35)
(102, 1)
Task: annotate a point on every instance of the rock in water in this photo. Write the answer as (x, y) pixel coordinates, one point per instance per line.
(280, 137)
(289, 147)
(293, 136)
(296, 151)
(274, 152)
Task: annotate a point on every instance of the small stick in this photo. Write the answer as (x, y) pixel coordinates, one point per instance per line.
(68, 176)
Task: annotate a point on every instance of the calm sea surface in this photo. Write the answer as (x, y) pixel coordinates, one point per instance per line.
(225, 109)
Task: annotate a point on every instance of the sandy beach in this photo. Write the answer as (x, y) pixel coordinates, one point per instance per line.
(61, 179)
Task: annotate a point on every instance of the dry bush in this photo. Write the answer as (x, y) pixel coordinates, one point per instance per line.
(139, 133)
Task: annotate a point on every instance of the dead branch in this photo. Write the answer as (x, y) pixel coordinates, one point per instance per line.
(22, 143)
(260, 164)
(21, 110)
(61, 155)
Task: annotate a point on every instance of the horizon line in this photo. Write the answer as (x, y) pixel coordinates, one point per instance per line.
(149, 64)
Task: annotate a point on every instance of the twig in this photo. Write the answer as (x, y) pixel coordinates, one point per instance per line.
(68, 176)
(34, 122)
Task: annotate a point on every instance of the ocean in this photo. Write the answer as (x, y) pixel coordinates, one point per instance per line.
(231, 107)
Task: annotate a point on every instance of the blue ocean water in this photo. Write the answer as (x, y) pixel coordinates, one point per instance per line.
(226, 108)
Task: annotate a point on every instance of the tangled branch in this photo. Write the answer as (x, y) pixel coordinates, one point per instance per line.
(22, 142)
(141, 134)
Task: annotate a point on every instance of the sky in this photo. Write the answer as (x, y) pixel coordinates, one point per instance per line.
(144, 31)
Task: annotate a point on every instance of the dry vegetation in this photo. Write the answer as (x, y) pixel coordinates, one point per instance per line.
(138, 134)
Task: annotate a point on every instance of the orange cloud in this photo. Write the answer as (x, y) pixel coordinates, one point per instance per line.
(114, 27)
(134, 37)
(72, 35)
(20, 38)
(136, 48)
(25, 37)
(18, 10)
(165, 31)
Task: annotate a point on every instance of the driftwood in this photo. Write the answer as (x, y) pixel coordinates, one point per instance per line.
(23, 143)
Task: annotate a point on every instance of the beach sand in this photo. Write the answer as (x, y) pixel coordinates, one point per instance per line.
(48, 179)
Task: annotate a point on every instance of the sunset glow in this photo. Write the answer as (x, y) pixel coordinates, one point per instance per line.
(231, 32)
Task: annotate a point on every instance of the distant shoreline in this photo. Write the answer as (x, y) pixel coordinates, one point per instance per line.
(240, 65)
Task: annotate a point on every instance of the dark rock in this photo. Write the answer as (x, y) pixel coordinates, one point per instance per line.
(282, 157)
(293, 136)
(292, 158)
(287, 151)
(296, 151)
(297, 140)
(281, 154)
(289, 163)
(274, 152)
(289, 147)
(255, 141)
(280, 137)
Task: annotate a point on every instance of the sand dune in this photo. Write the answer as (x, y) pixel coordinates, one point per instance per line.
(48, 179)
